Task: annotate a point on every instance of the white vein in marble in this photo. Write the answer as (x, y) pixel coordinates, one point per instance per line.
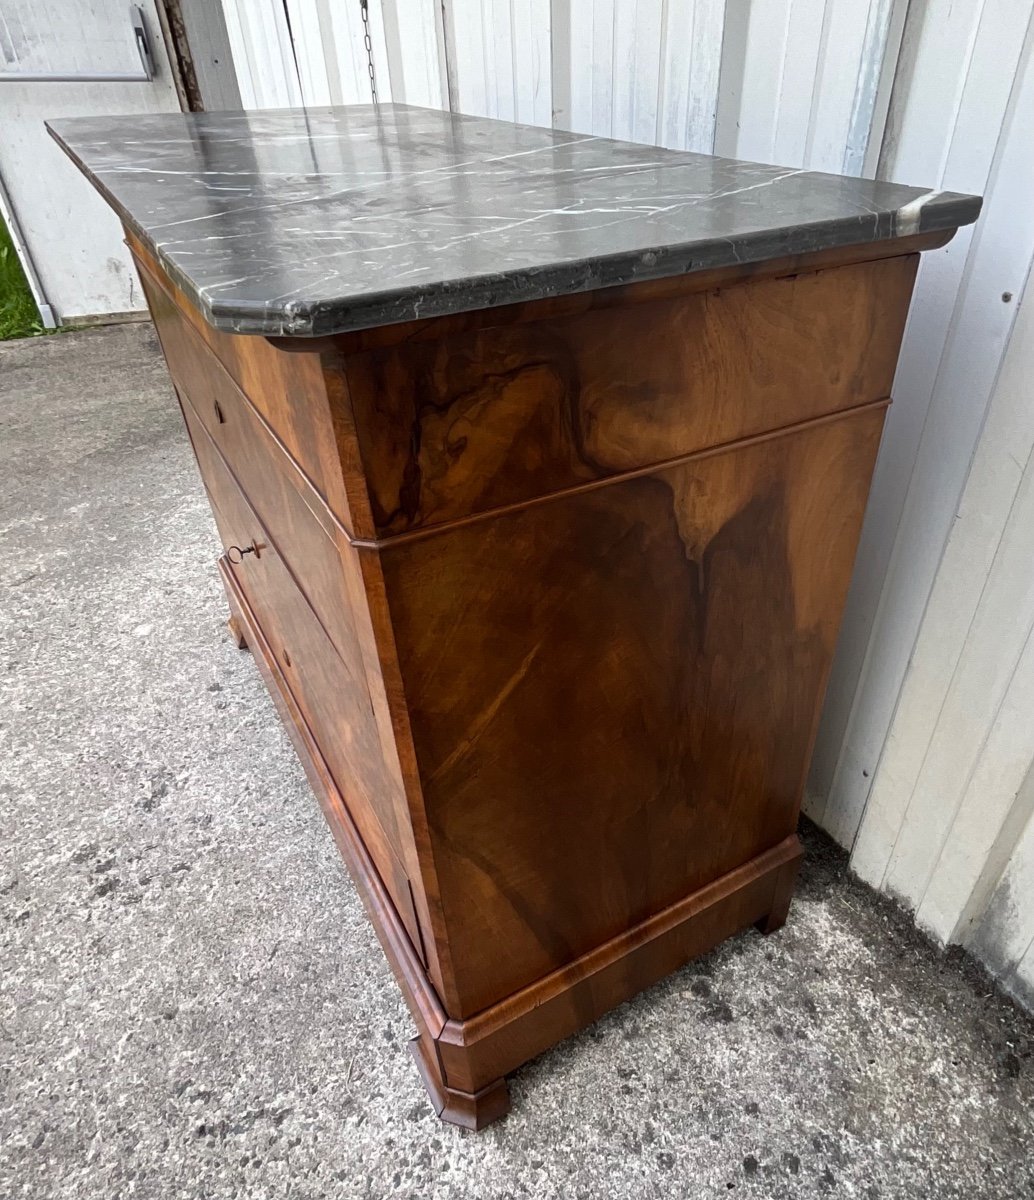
(316, 221)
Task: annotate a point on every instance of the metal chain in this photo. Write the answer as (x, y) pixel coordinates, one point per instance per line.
(368, 43)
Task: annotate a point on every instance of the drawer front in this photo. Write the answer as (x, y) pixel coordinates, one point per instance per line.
(335, 703)
(481, 420)
(289, 508)
(287, 389)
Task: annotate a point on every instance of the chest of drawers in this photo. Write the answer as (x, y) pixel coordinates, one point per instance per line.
(547, 593)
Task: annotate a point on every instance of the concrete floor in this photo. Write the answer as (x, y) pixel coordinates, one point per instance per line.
(192, 1004)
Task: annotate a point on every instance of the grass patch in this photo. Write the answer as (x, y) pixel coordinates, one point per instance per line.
(19, 316)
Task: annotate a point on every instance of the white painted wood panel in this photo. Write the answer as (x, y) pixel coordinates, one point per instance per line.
(311, 63)
(997, 805)
(341, 47)
(982, 631)
(314, 52)
(211, 55)
(948, 827)
(691, 62)
(469, 57)
(801, 81)
(956, 695)
(413, 34)
(645, 72)
(1004, 937)
(847, 70)
(75, 240)
(637, 70)
(780, 58)
(500, 58)
(600, 69)
(800, 90)
(956, 332)
(262, 54)
(583, 68)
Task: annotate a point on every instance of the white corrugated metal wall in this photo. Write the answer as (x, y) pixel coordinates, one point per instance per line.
(947, 824)
(800, 79)
(934, 93)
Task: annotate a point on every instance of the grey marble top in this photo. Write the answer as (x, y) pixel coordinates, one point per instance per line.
(316, 221)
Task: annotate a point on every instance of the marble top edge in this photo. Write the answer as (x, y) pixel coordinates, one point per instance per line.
(310, 222)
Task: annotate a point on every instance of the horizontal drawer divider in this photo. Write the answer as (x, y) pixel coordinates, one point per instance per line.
(594, 485)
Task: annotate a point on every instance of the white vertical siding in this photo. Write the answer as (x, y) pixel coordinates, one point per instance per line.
(942, 720)
(798, 83)
(965, 126)
(801, 78)
(643, 72)
(637, 69)
(980, 613)
(261, 48)
(314, 76)
(691, 61)
(968, 659)
(469, 56)
(777, 64)
(414, 52)
(330, 52)
(586, 63)
(500, 58)
(1004, 937)
(313, 52)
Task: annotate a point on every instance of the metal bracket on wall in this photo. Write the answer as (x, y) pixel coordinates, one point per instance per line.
(143, 47)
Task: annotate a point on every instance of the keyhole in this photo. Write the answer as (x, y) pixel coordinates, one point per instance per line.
(219, 413)
(286, 658)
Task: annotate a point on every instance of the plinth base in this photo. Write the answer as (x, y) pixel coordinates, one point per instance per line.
(471, 1110)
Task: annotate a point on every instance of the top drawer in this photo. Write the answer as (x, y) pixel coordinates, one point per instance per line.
(296, 516)
(288, 390)
(483, 419)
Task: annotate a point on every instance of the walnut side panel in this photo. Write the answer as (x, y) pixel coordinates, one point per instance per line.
(476, 1051)
(613, 694)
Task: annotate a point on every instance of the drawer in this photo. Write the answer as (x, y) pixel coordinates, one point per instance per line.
(287, 389)
(484, 419)
(334, 702)
(289, 508)
(283, 504)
